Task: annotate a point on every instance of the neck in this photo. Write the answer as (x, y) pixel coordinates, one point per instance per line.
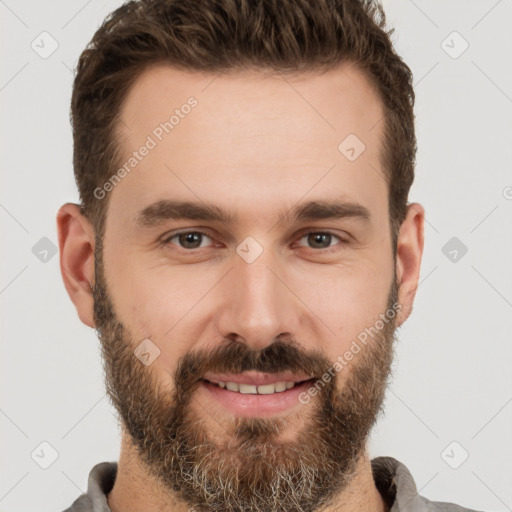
(136, 491)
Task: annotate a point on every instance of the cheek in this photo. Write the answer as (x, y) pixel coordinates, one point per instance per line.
(163, 305)
(347, 299)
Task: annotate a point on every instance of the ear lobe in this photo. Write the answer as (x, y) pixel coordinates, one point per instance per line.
(408, 261)
(76, 247)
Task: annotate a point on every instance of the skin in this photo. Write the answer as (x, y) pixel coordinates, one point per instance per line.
(257, 145)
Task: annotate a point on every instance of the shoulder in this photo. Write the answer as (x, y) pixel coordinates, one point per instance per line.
(101, 481)
(396, 485)
(442, 506)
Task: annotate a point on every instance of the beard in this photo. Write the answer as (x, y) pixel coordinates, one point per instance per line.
(254, 470)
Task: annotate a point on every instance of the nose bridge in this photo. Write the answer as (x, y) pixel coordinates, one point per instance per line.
(257, 306)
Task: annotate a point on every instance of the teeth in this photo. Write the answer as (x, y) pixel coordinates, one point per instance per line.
(280, 386)
(266, 389)
(251, 389)
(248, 389)
(232, 386)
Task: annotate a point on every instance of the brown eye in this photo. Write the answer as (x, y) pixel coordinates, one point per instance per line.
(187, 239)
(320, 239)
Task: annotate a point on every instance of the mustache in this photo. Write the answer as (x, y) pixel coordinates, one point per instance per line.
(237, 357)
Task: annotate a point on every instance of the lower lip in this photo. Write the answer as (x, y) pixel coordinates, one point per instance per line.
(254, 406)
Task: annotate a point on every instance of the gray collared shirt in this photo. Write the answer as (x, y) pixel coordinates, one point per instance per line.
(392, 479)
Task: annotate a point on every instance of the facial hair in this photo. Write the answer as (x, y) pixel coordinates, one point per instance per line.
(254, 471)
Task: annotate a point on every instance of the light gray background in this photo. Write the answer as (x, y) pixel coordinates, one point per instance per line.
(453, 379)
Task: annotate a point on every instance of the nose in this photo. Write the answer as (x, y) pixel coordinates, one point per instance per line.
(258, 304)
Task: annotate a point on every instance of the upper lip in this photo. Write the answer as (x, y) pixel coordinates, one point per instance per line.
(255, 378)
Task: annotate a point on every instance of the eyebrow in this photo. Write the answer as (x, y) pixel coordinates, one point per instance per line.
(166, 209)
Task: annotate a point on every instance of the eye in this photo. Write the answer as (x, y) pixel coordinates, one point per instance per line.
(321, 239)
(190, 240)
(187, 239)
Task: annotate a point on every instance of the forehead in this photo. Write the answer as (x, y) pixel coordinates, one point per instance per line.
(251, 138)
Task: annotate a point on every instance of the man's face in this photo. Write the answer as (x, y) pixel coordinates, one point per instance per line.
(266, 296)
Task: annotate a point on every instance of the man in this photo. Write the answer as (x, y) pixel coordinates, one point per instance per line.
(245, 250)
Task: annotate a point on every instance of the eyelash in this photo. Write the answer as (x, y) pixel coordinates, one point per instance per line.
(167, 240)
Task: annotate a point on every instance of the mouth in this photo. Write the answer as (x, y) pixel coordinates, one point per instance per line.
(255, 394)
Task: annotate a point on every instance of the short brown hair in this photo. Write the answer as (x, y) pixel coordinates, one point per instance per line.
(230, 35)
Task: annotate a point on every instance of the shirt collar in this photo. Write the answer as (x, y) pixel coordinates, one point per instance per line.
(396, 486)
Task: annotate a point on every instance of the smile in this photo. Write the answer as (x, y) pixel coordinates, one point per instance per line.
(255, 395)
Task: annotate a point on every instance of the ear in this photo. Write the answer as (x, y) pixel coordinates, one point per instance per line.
(76, 246)
(408, 258)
